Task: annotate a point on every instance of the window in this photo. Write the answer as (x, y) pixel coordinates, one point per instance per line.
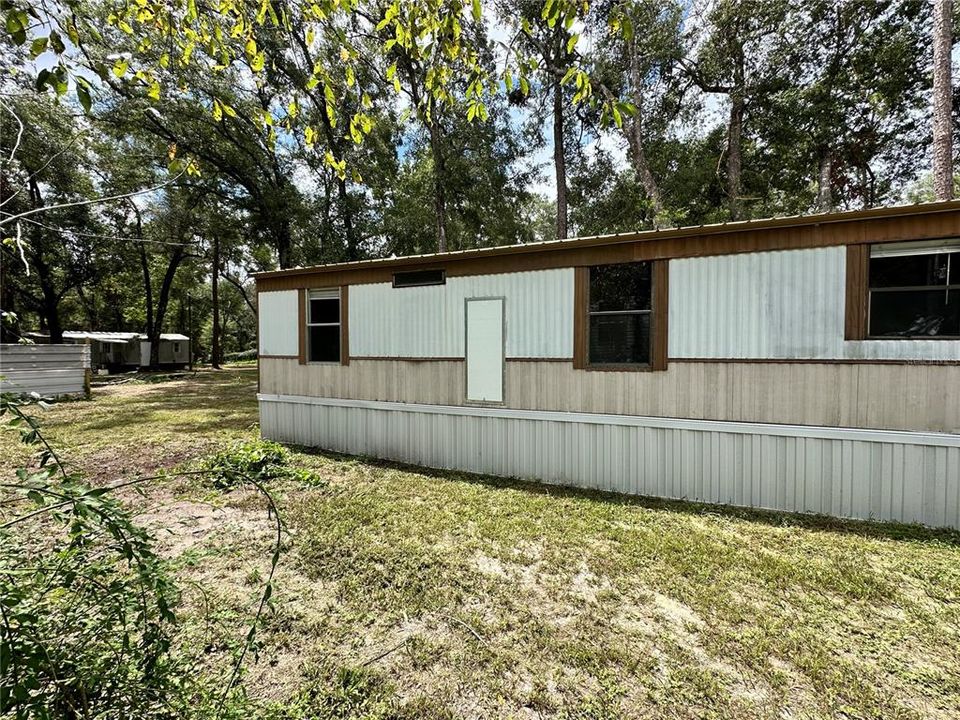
(416, 278)
(176, 348)
(619, 314)
(323, 325)
(915, 290)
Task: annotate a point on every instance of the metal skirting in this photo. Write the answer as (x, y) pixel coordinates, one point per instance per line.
(48, 370)
(844, 472)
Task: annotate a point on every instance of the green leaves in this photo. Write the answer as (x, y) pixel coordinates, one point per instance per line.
(221, 108)
(84, 94)
(96, 573)
(39, 46)
(17, 22)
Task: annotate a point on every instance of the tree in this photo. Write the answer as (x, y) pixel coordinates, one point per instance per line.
(846, 121)
(733, 60)
(549, 40)
(942, 99)
(638, 66)
(484, 186)
(46, 173)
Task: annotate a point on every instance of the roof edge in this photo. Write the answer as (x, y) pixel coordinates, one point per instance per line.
(926, 208)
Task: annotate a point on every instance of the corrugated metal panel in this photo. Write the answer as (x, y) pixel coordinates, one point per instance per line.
(48, 370)
(906, 477)
(429, 321)
(278, 317)
(758, 305)
(775, 305)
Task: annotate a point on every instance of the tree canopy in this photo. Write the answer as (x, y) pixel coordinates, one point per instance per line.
(236, 137)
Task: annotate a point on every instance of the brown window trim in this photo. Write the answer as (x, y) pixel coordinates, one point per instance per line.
(302, 325)
(344, 325)
(660, 272)
(858, 292)
(857, 309)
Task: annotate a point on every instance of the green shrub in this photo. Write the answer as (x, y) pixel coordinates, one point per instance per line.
(255, 460)
(86, 619)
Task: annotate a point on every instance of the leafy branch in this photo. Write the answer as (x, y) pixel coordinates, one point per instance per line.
(86, 623)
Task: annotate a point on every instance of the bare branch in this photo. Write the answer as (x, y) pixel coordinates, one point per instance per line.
(16, 144)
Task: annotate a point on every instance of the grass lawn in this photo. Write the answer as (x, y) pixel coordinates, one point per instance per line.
(418, 594)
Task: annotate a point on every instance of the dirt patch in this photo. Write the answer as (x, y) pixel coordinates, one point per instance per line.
(489, 565)
(180, 525)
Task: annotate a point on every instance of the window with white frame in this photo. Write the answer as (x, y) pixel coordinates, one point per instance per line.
(915, 290)
(323, 325)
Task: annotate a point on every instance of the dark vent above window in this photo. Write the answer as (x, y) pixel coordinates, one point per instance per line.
(416, 278)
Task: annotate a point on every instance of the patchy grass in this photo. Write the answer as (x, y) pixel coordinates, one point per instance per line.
(140, 427)
(405, 593)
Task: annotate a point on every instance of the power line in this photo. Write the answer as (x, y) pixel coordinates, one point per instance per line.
(98, 236)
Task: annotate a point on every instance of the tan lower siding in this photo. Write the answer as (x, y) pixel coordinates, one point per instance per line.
(896, 397)
(440, 383)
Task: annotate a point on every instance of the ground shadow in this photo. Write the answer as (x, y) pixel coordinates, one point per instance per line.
(823, 523)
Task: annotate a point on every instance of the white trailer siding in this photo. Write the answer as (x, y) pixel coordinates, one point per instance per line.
(865, 474)
(786, 305)
(428, 322)
(48, 370)
(278, 316)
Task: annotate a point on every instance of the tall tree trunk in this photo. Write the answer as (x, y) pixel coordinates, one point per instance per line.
(147, 286)
(53, 320)
(439, 191)
(163, 300)
(353, 251)
(634, 131)
(284, 238)
(942, 100)
(9, 327)
(335, 141)
(734, 158)
(642, 168)
(559, 160)
(215, 349)
(49, 307)
(825, 183)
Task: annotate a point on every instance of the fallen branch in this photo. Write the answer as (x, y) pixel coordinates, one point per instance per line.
(458, 621)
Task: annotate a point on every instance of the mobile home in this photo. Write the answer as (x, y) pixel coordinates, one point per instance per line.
(118, 351)
(806, 364)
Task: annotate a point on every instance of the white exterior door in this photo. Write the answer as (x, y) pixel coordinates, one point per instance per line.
(484, 350)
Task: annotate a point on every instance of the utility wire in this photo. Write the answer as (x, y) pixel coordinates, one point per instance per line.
(104, 237)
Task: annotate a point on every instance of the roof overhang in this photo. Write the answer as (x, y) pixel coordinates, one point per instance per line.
(695, 231)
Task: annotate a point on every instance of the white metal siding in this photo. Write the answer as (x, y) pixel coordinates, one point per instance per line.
(48, 370)
(428, 321)
(278, 317)
(775, 305)
(883, 475)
